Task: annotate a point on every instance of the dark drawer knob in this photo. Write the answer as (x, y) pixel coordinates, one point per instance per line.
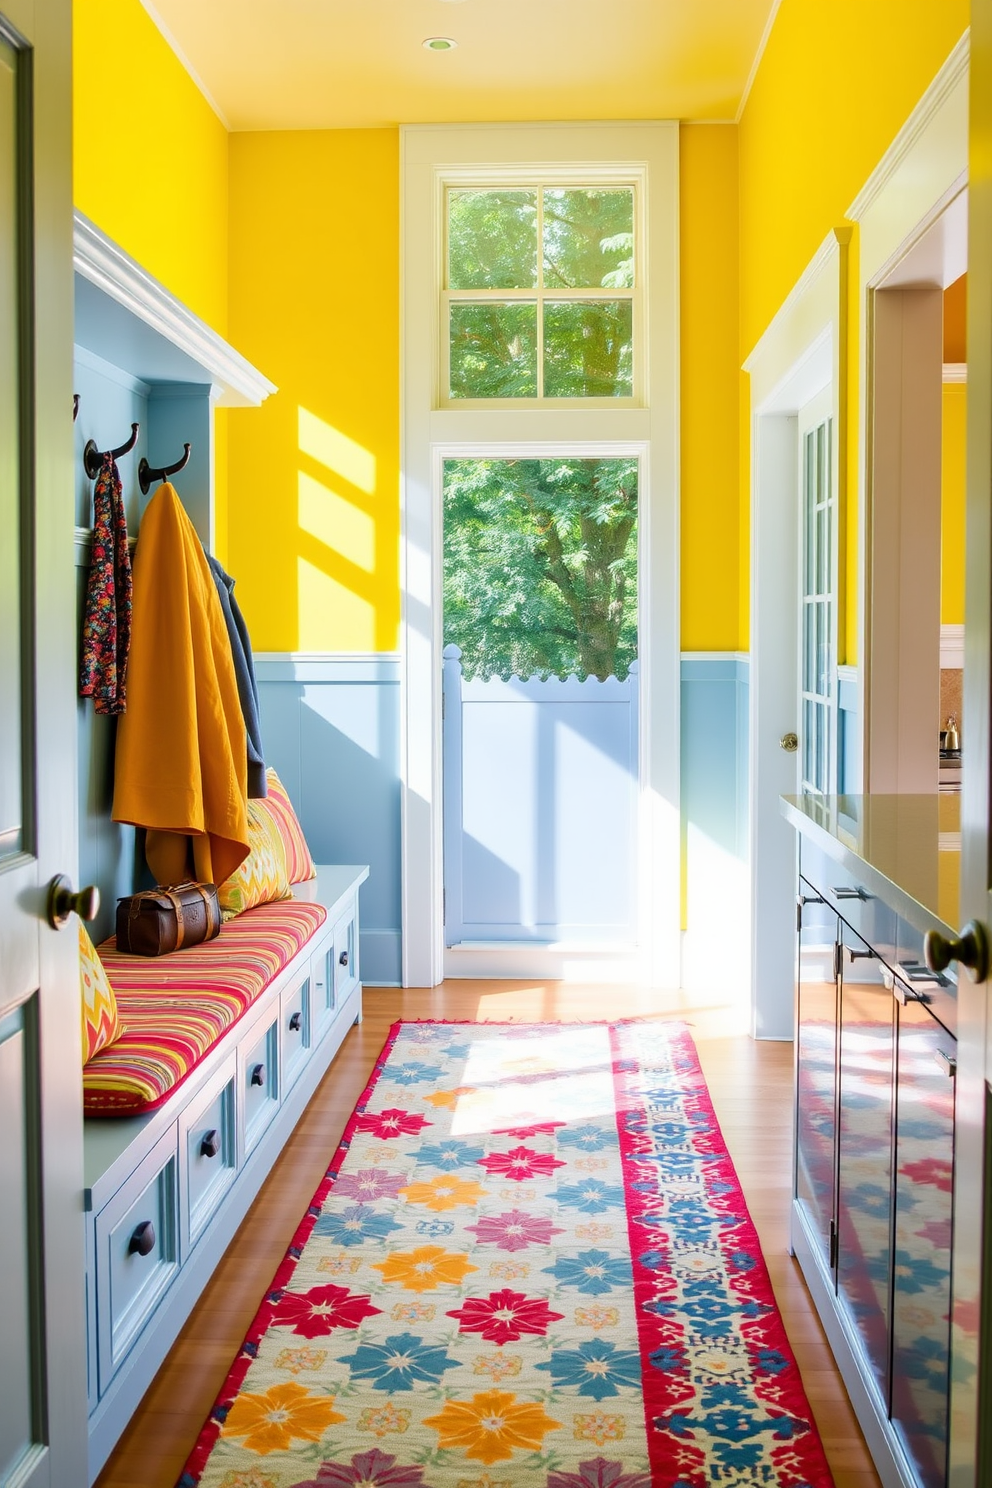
(142, 1241)
(210, 1146)
(257, 1075)
(343, 958)
(296, 1022)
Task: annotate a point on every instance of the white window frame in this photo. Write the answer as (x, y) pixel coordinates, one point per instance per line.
(814, 415)
(495, 179)
(432, 157)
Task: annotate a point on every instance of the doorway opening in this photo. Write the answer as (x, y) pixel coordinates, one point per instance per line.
(540, 710)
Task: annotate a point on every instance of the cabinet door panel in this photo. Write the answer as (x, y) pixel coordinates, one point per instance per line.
(816, 1068)
(864, 1156)
(922, 1283)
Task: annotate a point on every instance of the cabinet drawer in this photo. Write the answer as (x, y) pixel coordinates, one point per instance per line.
(322, 1003)
(137, 1243)
(345, 955)
(208, 1140)
(260, 1083)
(294, 1013)
(844, 892)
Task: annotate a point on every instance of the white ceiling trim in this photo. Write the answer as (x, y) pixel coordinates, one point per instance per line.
(758, 58)
(181, 56)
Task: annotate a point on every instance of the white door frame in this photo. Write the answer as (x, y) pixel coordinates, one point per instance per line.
(919, 176)
(650, 152)
(912, 214)
(798, 357)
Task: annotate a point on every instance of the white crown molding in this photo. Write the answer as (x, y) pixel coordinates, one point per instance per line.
(184, 61)
(822, 259)
(98, 259)
(951, 647)
(955, 371)
(758, 58)
(919, 120)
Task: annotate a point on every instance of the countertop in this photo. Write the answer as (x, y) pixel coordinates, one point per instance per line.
(907, 849)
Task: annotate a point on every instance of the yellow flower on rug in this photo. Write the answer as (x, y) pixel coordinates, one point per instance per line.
(299, 1359)
(599, 1427)
(444, 1192)
(449, 1098)
(498, 1366)
(253, 1478)
(269, 1422)
(597, 1317)
(484, 1482)
(425, 1268)
(492, 1426)
(381, 1420)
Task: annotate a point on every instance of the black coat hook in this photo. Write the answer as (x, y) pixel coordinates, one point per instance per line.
(146, 474)
(75, 406)
(94, 458)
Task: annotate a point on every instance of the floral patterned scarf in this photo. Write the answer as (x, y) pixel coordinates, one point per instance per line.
(107, 616)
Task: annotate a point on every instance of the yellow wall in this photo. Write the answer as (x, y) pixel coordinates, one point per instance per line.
(150, 155)
(709, 387)
(952, 505)
(834, 87)
(313, 514)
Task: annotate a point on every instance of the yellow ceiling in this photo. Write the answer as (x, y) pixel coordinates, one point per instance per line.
(318, 64)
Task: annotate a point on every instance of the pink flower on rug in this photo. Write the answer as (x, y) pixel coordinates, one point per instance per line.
(513, 1230)
(321, 1309)
(521, 1163)
(392, 1123)
(600, 1474)
(929, 1170)
(373, 1469)
(505, 1316)
(539, 1129)
(369, 1184)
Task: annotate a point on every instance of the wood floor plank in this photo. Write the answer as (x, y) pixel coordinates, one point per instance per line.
(751, 1088)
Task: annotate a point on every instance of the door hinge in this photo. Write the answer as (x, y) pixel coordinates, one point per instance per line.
(832, 1245)
(443, 702)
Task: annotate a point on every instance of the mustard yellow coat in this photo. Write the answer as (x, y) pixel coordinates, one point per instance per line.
(181, 754)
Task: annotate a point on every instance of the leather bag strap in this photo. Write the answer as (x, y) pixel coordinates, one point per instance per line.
(177, 905)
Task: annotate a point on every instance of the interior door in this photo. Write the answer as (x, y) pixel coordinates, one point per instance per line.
(971, 1402)
(42, 1361)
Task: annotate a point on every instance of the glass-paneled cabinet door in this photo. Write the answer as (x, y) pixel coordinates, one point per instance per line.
(816, 1068)
(921, 1296)
(864, 1150)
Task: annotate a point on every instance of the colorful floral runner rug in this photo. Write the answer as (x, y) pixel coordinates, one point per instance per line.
(530, 1265)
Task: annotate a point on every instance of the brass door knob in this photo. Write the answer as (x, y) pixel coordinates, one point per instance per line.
(63, 901)
(970, 950)
(789, 742)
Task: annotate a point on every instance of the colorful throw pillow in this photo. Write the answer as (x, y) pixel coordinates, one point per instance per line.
(101, 1025)
(299, 863)
(262, 876)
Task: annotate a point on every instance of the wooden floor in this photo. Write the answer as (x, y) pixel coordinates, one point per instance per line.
(751, 1087)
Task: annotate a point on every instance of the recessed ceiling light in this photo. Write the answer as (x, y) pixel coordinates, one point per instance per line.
(440, 44)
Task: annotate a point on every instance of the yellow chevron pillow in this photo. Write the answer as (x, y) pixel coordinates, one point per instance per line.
(101, 1025)
(263, 875)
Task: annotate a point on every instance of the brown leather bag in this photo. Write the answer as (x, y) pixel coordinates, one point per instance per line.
(165, 919)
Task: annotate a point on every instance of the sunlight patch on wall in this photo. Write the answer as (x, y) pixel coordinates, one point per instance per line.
(321, 441)
(331, 617)
(336, 522)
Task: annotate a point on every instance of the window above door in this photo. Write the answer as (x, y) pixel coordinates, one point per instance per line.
(540, 294)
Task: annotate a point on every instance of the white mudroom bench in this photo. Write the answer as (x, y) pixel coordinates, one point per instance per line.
(166, 1190)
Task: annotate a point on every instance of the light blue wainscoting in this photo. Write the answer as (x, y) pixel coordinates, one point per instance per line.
(331, 729)
(848, 733)
(714, 731)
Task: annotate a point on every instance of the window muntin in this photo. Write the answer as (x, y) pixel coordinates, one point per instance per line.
(540, 294)
(818, 602)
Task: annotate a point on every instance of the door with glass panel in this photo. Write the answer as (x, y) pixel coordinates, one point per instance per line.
(818, 624)
(540, 311)
(43, 1357)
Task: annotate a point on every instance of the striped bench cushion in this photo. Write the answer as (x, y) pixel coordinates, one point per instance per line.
(174, 1008)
